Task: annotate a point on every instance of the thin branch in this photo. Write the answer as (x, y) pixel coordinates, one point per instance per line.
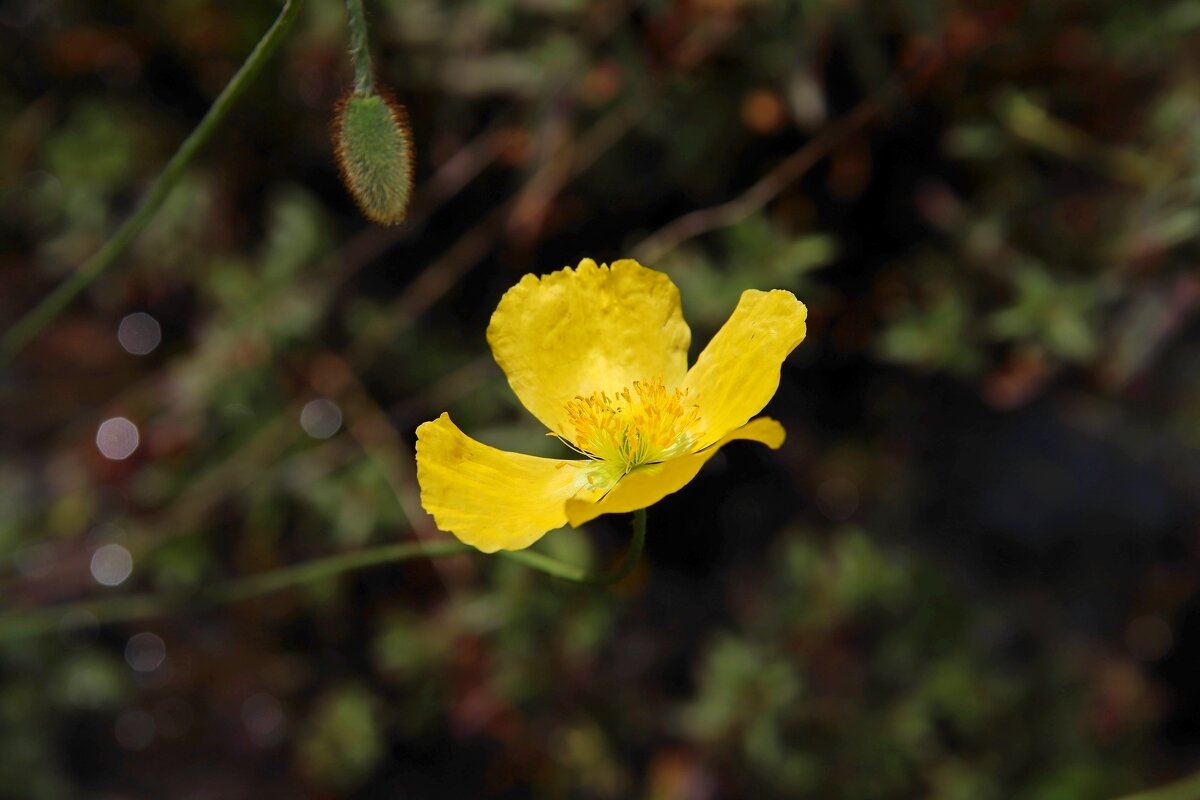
(17, 624)
(754, 199)
(246, 460)
(28, 327)
(531, 205)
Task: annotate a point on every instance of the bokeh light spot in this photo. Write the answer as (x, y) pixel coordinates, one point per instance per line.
(139, 333)
(145, 652)
(117, 438)
(321, 418)
(111, 565)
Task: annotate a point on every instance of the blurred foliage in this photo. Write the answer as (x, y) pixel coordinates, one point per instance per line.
(342, 744)
(970, 573)
(857, 674)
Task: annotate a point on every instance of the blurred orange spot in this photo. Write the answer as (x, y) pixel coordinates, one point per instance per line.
(76, 51)
(74, 342)
(515, 146)
(249, 351)
(679, 774)
(1120, 698)
(763, 111)
(962, 34)
(600, 84)
(1017, 382)
(938, 205)
(329, 375)
(168, 439)
(922, 55)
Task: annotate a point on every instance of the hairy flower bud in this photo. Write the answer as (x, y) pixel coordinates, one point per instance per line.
(374, 152)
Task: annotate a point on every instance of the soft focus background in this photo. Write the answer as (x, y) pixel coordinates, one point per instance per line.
(972, 571)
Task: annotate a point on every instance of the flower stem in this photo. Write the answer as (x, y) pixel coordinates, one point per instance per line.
(360, 48)
(25, 624)
(28, 327)
(16, 625)
(570, 572)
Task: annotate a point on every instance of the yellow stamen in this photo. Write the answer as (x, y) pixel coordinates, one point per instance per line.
(633, 428)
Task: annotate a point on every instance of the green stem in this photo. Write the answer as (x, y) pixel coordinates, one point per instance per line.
(360, 48)
(321, 569)
(1186, 789)
(16, 625)
(28, 327)
(569, 572)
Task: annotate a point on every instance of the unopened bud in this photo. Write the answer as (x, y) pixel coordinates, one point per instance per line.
(374, 152)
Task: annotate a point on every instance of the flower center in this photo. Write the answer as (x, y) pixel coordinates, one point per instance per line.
(642, 424)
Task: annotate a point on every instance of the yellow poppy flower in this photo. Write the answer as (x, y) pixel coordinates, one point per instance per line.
(599, 355)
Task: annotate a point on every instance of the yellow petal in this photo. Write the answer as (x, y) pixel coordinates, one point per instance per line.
(488, 498)
(738, 372)
(588, 329)
(646, 486)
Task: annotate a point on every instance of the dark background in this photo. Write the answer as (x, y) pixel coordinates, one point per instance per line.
(971, 572)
